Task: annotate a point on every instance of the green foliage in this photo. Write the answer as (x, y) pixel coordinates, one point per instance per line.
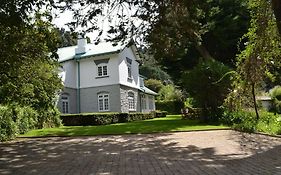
(259, 60)
(154, 84)
(86, 119)
(269, 123)
(8, 126)
(29, 79)
(171, 106)
(240, 120)
(154, 72)
(189, 102)
(15, 119)
(208, 84)
(275, 94)
(170, 93)
(246, 121)
(48, 117)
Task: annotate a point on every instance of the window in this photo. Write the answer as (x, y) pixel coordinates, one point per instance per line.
(129, 65)
(131, 100)
(65, 104)
(143, 102)
(103, 102)
(102, 70)
(129, 70)
(150, 103)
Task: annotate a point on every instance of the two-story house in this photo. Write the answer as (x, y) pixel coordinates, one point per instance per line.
(102, 78)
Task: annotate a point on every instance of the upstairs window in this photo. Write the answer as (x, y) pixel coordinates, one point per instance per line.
(129, 65)
(143, 102)
(65, 104)
(102, 70)
(131, 100)
(103, 102)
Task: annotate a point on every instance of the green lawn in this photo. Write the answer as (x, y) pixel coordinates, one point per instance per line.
(169, 124)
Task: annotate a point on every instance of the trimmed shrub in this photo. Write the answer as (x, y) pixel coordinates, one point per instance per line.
(88, 119)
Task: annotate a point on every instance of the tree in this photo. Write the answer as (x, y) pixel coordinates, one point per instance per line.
(208, 83)
(29, 67)
(261, 55)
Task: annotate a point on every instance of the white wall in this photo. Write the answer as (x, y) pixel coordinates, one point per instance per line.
(88, 72)
(123, 69)
(70, 69)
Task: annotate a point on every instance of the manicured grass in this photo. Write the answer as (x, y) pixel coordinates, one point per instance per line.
(168, 124)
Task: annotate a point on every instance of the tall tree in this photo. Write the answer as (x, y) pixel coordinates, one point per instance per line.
(261, 55)
(28, 67)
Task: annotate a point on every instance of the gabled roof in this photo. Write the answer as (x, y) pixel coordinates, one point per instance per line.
(68, 53)
(103, 48)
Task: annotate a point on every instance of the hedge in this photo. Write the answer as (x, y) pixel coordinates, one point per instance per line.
(88, 119)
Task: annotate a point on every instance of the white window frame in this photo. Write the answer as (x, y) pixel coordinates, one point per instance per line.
(103, 102)
(131, 101)
(103, 69)
(65, 104)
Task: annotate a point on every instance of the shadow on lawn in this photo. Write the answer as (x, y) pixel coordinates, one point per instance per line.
(144, 154)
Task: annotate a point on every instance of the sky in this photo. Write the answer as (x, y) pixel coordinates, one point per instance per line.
(63, 18)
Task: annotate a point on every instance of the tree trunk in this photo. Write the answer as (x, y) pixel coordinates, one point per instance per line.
(276, 6)
(255, 101)
(204, 52)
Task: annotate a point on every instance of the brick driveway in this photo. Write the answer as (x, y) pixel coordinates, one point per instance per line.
(208, 152)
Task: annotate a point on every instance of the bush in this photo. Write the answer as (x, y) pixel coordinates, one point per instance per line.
(26, 119)
(15, 120)
(240, 120)
(153, 84)
(208, 84)
(88, 119)
(8, 126)
(246, 121)
(172, 106)
(170, 93)
(275, 94)
(269, 123)
(47, 118)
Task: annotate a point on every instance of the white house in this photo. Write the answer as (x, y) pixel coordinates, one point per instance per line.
(102, 78)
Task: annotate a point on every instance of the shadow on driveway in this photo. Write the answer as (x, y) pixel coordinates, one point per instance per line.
(209, 152)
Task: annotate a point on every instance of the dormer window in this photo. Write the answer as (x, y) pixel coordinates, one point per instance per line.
(129, 65)
(102, 67)
(102, 70)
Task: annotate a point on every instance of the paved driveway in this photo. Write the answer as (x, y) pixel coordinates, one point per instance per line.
(210, 152)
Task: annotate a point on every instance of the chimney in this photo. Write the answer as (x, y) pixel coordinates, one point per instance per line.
(81, 45)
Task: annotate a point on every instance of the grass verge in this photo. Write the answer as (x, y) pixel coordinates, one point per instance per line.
(171, 123)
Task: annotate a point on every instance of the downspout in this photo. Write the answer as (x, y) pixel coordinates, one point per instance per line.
(78, 88)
